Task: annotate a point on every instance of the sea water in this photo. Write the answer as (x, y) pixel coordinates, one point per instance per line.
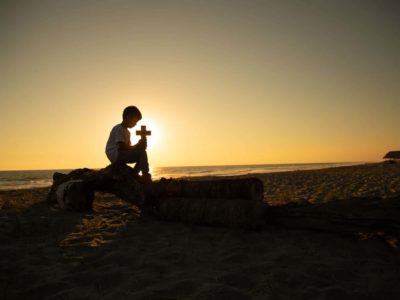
(10, 180)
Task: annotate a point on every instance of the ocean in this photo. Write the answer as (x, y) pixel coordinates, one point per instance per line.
(10, 180)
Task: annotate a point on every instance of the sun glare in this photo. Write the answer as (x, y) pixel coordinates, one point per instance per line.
(153, 139)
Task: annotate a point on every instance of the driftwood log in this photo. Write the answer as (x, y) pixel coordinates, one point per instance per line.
(223, 202)
(76, 189)
(238, 188)
(236, 213)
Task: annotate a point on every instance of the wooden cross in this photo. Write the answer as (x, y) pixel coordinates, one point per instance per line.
(143, 132)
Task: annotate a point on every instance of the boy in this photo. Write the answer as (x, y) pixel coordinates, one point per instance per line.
(119, 148)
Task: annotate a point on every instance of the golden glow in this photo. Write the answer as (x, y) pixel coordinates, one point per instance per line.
(153, 139)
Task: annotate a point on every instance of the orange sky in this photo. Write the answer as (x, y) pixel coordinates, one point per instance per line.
(220, 82)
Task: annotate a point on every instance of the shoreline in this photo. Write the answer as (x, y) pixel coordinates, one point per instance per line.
(209, 176)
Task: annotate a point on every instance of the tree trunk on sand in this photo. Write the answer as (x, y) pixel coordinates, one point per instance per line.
(76, 190)
(225, 202)
(248, 189)
(238, 188)
(235, 213)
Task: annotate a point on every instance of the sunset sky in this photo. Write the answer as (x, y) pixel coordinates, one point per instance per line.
(219, 82)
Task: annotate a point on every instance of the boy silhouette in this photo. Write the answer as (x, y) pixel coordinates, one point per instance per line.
(119, 149)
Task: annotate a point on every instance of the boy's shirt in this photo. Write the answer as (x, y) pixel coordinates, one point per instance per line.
(118, 134)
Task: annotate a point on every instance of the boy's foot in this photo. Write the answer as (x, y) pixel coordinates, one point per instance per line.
(145, 178)
(136, 176)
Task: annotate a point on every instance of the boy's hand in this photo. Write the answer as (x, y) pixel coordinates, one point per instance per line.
(142, 144)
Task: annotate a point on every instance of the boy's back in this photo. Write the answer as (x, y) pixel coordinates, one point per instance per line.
(118, 134)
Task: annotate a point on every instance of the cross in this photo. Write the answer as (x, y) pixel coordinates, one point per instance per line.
(143, 132)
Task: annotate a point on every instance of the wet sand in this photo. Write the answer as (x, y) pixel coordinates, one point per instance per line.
(114, 253)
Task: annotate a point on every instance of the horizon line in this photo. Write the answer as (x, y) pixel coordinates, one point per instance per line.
(204, 166)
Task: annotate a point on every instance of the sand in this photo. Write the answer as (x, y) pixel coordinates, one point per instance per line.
(114, 253)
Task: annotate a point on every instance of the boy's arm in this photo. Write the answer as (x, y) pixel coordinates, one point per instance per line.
(141, 145)
(123, 146)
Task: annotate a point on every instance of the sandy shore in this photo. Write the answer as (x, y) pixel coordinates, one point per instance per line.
(114, 253)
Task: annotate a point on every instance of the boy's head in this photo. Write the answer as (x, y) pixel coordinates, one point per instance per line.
(131, 116)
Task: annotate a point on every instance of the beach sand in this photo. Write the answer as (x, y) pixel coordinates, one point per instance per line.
(114, 253)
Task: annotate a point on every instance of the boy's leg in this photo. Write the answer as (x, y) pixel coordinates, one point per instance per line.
(135, 156)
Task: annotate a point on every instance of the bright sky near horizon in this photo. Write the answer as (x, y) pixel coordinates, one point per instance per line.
(220, 82)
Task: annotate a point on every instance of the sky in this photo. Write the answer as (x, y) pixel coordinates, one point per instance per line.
(218, 82)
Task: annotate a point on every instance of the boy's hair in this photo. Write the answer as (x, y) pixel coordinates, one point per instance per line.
(131, 111)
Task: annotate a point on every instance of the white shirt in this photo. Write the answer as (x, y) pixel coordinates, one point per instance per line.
(118, 134)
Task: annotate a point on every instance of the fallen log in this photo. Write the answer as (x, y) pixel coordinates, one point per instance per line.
(251, 189)
(75, 195)
(75, 190)
(235, 213)
(232, 203)
(224, 202)
(238, 188)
